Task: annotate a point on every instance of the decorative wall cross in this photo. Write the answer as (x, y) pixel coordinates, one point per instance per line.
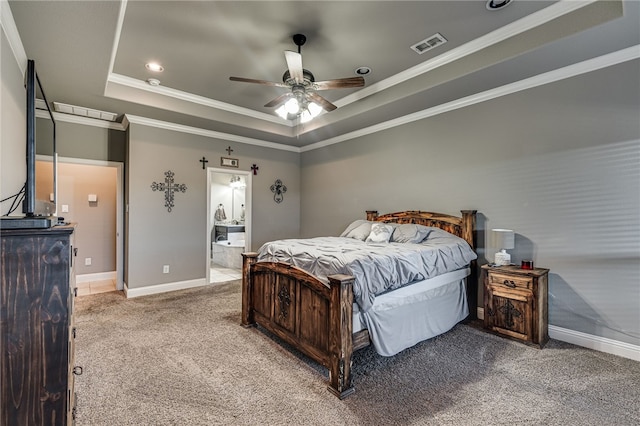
(168, 187)
(229, 150)
(278, 190)
(204, 161)
(255, 169)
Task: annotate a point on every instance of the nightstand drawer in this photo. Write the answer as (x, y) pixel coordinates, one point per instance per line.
(510, 281)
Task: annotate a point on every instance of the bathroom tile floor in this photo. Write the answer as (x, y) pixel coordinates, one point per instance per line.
(221, 274)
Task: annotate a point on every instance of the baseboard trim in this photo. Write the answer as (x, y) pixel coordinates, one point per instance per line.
(163, 288)
(602, 344)
(99, 276)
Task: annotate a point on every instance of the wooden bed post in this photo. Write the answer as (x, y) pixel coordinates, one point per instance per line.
(248, 259)
(469, 225)
(341, 335)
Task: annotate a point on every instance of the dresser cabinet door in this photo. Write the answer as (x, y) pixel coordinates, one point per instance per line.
(510, 312)
(35, 325)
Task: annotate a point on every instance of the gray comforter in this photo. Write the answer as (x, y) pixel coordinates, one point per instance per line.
(377, 267)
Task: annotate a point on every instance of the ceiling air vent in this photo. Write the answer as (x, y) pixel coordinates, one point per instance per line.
(429, 43)
(84, 112)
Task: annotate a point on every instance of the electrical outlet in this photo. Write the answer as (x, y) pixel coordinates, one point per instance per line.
(65, 208)
(165, 269)
(87, 261)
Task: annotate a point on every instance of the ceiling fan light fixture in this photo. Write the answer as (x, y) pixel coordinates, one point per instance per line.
(292, 106)
(314, 109)
(282, 112)
(310, 112)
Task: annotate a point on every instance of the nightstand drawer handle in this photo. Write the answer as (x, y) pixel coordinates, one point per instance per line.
(509, 283)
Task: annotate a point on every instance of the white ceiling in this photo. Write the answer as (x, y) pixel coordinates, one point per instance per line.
(92, 53)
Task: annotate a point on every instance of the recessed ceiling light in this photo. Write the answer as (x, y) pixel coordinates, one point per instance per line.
(363, 70)
(497, 4)
(153, 82)
(153, 66)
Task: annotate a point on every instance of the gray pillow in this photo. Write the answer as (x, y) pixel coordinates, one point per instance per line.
(380, 233)
(410, 233)
(358, 229)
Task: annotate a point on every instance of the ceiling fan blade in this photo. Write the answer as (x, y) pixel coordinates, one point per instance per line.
(325, 104)
(339, 83)
(294, 63)
(278, 101)
(264, 82)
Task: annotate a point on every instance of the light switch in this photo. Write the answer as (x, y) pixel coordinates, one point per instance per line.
(65, 208)
(93, 198)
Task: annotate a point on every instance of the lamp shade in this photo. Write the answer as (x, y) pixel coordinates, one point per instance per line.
(503, 238)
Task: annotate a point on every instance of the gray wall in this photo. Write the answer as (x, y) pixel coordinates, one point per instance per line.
(13, 131)
(559, 164)
(90, 142)
(157, 237)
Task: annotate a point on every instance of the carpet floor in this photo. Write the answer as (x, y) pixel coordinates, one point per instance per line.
(182, 358)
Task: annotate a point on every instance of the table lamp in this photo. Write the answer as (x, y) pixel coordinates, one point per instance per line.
(504, 240)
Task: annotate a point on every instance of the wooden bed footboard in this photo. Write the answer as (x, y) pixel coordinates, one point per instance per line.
(314, 317)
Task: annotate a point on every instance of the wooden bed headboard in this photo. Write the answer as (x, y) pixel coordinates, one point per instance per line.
(463, 227)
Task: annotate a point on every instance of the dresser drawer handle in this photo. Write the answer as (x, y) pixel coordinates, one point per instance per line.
(77, 370)
(509, 283)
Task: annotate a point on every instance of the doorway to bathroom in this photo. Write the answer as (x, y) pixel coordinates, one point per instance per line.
(228, 223)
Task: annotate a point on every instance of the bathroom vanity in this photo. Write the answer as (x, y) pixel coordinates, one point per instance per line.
(222, 232)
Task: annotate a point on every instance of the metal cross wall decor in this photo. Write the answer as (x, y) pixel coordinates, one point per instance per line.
(278, 190)
(168, 187)
(204, 161)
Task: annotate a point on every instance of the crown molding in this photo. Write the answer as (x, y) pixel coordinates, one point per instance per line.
(123, 80)
(133, 119)
(116, 41)
(604, 61)
(13, 36)
(522, 25)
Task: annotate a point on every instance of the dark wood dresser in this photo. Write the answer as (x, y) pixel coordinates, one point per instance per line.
(36, 327)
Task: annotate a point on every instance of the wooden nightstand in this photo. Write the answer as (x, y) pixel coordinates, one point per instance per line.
(515, 303)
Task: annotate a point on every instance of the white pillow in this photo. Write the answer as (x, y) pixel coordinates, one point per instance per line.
(380, 233)
(410, 233)
(359, 229)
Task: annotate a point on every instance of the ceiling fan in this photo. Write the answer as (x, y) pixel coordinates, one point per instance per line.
(302, 100)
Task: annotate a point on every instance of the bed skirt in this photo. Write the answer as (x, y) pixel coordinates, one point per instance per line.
(397, 321)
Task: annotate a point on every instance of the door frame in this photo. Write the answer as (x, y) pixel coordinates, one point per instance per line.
(119, 209)
(247, 211)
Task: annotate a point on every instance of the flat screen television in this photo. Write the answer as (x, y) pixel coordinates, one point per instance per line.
(41, 183)
(40, 188)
